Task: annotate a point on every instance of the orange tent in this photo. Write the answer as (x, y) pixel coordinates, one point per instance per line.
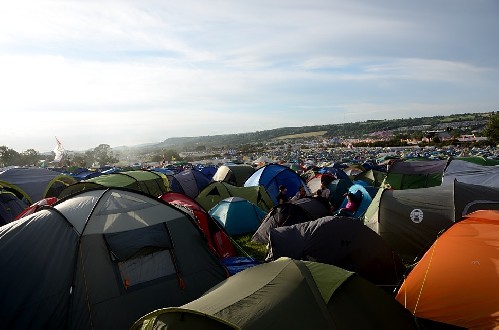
(457, 280)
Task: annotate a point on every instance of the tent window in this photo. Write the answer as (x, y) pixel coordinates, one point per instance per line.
(143, 254)
(146, 268)
(129, 244)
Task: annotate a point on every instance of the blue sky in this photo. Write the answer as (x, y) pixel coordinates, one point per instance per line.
(132, 72)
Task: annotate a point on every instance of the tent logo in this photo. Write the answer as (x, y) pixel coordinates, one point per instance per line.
(416, 215)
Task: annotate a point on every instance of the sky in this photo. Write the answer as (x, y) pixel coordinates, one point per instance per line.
(130, 72)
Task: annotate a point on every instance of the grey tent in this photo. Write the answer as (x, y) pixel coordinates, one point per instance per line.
(100, 260)
(410, 220)
(343, 242)
(287, 294)
(236, 175)
(468, 172)
(287, 214)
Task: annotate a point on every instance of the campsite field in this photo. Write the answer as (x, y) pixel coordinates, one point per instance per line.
(247, 247)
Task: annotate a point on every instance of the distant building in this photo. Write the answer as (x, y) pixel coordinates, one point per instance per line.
(471, 138)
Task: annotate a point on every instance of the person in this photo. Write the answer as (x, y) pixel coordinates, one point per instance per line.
(299, 194)
(282, 196)
(325, 192)
(351, 206)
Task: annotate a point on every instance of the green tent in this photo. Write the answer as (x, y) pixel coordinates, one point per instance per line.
(148, 182)
(216, 191)
(287, 294)
(415, 174)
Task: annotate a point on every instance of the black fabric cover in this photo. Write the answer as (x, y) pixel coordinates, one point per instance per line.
(341, 241)
(303, 210)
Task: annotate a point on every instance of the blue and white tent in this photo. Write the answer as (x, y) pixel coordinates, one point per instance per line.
(272, 176)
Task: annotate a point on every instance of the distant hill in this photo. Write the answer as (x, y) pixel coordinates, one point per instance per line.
(352, 130)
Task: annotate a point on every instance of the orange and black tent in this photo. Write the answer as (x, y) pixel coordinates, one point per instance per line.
(457, 280)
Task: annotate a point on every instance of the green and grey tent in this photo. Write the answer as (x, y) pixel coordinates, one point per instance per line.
(100, 260)
(415, 174)
(216, 191)
(410, 220)
(148, 182)
(287, 294)
(236, 175)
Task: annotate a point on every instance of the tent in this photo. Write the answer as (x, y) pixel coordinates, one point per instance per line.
(415, 174)
(36, 183)
(216, 191)
(338, 189)
(37, 206)
(189, 182)
(10, 206)
(214, 232)
(342, 242)
(236, 175)
(479, 160)
(456, 280)
(148, 182)
(468, 172)
(84, 174)
(410, 220)
(208, 170)
(365, 200)
(303, 210)
(101, 259)
(372, 177)
(237, 215)
(287, 294)
(272, 176)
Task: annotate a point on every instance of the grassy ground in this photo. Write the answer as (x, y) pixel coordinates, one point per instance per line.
(247, 248)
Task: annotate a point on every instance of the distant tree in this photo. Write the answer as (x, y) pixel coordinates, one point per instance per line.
(89, 157)
(29, 157)
(79, 160)
(103, 155)
(8, 156)
(491, 130)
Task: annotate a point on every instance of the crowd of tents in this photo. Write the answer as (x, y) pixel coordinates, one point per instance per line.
(155, 248)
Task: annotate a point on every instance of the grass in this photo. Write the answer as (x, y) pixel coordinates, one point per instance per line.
(247, 248)
(302, 135)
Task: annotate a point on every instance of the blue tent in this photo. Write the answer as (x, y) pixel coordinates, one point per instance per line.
(238, 215)
(366, 199)
(271, 176)
(188, 182)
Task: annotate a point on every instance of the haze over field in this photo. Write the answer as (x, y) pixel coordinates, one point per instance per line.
(130, 72)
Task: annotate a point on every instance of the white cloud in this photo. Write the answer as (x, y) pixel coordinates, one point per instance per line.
(130, 72)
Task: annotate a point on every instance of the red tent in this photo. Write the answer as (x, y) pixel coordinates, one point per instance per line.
(217, 238)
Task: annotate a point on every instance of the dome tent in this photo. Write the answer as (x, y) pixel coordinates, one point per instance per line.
(100, 259)
(287, 294)
(274, 175)
(238, 215)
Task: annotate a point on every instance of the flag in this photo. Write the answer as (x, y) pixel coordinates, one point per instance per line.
(58, 150)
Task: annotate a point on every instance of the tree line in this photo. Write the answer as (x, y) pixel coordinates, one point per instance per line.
(104, 155)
